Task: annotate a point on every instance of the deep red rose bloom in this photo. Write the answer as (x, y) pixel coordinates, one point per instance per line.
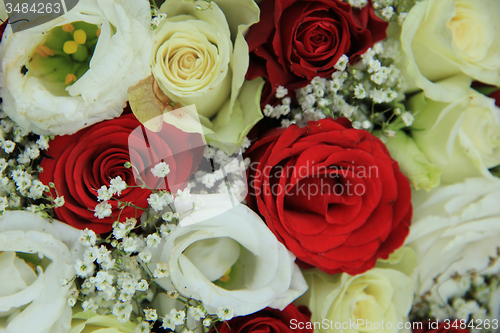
(433, 326)
(271, 321)
(296, 40)
(332, 194)
(81, 163)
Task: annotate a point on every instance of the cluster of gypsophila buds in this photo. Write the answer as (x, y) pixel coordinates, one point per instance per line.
(368, 93)
(113, 278)
(20, 154)
(474, 300)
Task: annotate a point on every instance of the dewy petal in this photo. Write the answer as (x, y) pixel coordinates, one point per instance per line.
(120, 61)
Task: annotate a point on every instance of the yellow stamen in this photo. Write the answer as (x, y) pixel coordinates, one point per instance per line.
(80, 36)
(98, 32)
(225, 277)
(70, 78)
(68, 27)
(44, 51)
(70, 47)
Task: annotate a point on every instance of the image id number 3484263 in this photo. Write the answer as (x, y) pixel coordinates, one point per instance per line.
(38, 8)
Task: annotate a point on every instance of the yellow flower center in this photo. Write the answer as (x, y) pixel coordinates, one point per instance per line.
(64, 54)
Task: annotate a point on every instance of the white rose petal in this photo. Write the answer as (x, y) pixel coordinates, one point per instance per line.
(442, 38)
(455, 229)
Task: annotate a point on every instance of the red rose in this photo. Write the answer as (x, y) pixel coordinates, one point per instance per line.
(297, 40)
(433, 326)
(331, 194)
(81, 163)
(270, 320)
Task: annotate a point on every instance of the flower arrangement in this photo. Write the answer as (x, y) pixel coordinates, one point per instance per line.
(239, 166)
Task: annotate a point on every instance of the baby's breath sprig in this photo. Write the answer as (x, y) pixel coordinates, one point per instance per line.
(20, 156)
(388, 10)
(471, 302)
(368, 93)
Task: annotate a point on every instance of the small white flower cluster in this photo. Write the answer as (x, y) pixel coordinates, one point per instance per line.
(103, 208)
(19, 184)
(388, 10)
(229, 174)
(177, 318)
(156, 18)
(356, 92)
(282, 109)
(112, 275)
(473, 303)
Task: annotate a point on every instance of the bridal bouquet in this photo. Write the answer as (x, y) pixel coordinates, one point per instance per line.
(250, 166)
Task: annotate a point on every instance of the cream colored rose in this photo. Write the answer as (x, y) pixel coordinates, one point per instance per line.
(462, 137)
(90, 322)
(201, 58)
(442, 38)
(378, 296)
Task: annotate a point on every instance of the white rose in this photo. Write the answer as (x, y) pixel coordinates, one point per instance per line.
(464, 133)
(44, 99)
(30, 301)
(229, 258)
(377, 296)
(455, 229)
(442, 38)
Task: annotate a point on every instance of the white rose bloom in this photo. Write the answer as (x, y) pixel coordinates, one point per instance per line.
(30, 301)
(442, 38)
(464, 133)
(229, 258)
(377, 296)
(201, 57)
(40, 65)
(455, 229)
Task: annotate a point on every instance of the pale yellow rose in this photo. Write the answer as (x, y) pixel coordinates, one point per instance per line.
(462, 138)
(200, 57)
(90, 322)
(442, 38)
(380, 295)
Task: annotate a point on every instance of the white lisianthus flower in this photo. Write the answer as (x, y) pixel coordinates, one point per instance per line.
(35, 299)
(377, 296)
(455, 229)
(74, 70)
(442, 38)
(229, 259)
(461, 138)
(201, 57)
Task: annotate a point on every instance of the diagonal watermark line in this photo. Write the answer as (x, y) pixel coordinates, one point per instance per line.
(63, 3)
